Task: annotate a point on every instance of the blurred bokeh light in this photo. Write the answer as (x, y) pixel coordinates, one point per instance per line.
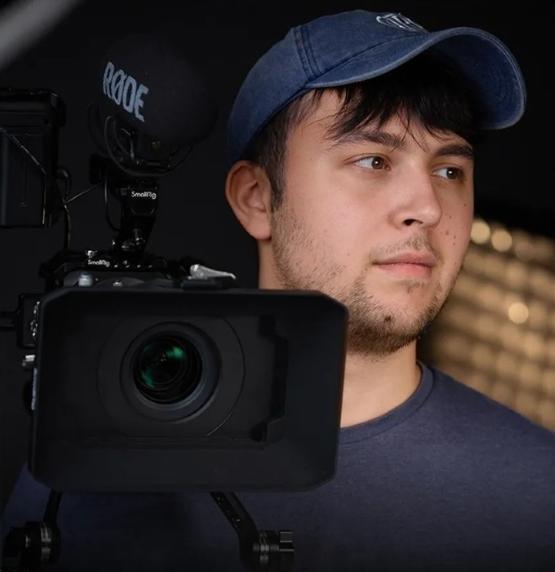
(497, 331)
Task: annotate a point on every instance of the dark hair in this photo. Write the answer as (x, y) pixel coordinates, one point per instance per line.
(426, 88)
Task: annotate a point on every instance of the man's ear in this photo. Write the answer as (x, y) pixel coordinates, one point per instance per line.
(248, 191)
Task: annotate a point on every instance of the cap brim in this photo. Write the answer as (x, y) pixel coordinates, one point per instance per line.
(486, 63)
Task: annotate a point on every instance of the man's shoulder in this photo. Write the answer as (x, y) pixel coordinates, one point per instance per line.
(483, 417)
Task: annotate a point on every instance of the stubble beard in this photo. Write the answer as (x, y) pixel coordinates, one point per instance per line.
(374, 330)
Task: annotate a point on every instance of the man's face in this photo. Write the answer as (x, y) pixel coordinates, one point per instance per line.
(353, 204)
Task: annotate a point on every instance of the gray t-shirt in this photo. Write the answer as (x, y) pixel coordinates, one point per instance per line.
(449, 480)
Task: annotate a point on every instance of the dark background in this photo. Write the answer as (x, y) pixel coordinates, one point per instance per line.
(222, 40)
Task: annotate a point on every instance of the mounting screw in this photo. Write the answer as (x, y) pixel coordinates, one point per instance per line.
(85, 279)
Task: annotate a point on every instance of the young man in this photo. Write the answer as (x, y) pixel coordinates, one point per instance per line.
(351, 147)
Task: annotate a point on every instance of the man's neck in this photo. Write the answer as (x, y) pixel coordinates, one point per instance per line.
(373, 387)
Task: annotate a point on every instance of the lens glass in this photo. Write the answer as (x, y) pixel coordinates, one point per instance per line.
(167, 368)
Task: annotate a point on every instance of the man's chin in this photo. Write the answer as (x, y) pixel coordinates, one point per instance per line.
(385, 340)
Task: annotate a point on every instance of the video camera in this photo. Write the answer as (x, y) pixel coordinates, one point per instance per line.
(151, 374)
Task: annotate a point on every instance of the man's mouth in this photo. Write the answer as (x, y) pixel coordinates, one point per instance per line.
(412, 264)
(406, 270)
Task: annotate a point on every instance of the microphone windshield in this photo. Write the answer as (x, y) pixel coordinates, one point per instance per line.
(150, 86)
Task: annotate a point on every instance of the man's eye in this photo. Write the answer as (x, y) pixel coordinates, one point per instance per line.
(451, 173)
(373, 162)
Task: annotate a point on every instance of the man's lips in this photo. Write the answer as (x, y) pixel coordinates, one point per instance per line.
(421, 258)
(409, 264)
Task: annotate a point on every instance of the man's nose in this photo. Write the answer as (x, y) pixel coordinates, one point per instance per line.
(417, 201)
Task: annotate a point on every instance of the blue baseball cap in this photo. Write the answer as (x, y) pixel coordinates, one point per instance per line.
(353, 46)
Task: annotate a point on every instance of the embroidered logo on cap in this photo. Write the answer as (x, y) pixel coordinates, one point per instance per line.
(400, 21)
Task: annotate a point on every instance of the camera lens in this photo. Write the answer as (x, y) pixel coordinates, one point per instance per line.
(167, 369)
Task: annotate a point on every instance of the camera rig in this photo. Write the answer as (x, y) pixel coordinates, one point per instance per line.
(126, 263)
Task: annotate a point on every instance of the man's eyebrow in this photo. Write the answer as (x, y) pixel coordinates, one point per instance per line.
(396, 142)
(367, 136)
(458, 149)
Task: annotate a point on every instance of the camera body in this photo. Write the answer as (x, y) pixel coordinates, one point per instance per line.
(174, 385)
